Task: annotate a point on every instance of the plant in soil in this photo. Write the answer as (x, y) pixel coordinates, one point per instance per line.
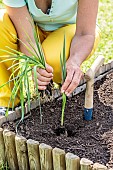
(63, 68)
(23, 66)
(62, 129)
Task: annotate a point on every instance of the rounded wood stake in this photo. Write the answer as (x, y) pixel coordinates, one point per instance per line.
(98, 166)
(111, 64)
(97, 63)
(2, 148)
(86, 164)
(59, 159)
(72, 162)
(108, 66)
(5, 131)
(21, 149)
(90, 74)
(33, 153)
(9, 138)
(45, 157)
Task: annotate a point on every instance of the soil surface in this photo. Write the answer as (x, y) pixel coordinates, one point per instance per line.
(90, 139)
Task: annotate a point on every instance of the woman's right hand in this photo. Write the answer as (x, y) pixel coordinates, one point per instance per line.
(44, 76)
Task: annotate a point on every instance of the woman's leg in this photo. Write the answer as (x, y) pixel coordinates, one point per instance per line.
(53, 46)
(7, 31)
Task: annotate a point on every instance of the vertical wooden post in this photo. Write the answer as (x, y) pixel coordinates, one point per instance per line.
(98, 166)
(111, 64)
(5, 131)
(9, 138)
(72, 162)
(22, 156)
(86, 164)
(2, 148)
(33, 153)
(46, 160)
(59, 159)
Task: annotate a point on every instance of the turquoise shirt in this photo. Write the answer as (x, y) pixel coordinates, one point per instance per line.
(62, 12)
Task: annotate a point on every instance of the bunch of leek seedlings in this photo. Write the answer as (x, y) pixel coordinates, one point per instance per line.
(24, 66)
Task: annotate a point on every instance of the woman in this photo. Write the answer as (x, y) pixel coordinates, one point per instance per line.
(74, 18)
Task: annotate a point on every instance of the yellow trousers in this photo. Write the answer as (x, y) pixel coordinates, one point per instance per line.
(52, 43)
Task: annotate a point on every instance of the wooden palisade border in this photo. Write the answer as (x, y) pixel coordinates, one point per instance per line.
(23, 154)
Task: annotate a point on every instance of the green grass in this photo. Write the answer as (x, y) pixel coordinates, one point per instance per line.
(105, 23)
(105, 20)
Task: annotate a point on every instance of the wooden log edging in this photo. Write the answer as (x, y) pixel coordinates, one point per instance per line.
(103, 71)
(10, 150)
(33, 154)
(2, 148)
(23, 154)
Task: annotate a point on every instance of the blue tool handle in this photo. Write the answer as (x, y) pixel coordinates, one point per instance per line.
(88, 114)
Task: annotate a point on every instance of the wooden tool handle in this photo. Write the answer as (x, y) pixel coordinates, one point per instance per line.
(89, 76)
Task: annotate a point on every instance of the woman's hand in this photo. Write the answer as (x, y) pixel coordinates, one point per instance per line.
(44, 77)
(74, 75)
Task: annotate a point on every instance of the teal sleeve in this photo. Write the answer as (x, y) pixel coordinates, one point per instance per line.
(14, 3)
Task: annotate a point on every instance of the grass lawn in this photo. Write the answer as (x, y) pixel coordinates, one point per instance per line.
(105, 20)
(105, 23)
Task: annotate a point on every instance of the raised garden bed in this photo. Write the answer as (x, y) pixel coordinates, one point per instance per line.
(89, 139)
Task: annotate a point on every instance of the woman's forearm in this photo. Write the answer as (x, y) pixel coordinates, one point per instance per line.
(22, 22)
(83, 41)
(81, 47)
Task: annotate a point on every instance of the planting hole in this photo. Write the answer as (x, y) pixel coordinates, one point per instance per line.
(66, 131)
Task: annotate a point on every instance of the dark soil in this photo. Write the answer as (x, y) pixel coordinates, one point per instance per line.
(90, 139)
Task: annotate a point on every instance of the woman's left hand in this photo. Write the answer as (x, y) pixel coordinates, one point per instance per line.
(74, 75)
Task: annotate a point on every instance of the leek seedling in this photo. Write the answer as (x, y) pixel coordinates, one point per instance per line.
(22, 68)
(63, 68)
